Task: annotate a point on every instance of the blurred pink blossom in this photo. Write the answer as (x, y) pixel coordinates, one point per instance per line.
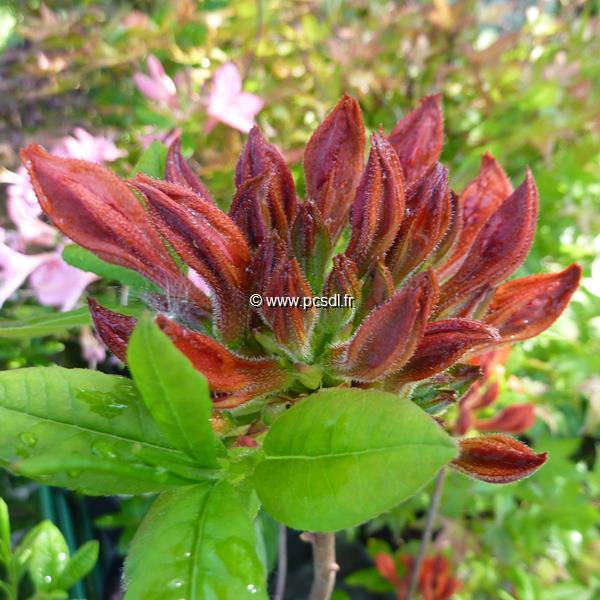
(92, 349)
(85, 146)
(55, 283)
(135, 19)
(228, 103)
(23, 209)
(15, 268)
(157, 85)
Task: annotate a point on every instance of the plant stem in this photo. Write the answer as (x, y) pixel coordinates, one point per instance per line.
(324, 565)
(427, 532)
(281, 564)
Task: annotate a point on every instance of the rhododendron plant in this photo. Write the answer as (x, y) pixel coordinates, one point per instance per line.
(256, 376)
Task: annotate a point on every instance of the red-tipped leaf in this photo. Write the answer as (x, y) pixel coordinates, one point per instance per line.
(232, 379)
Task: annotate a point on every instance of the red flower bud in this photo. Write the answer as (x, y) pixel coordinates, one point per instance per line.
(292, 325)
(232, 379)
(311, 243)
(178, 171)
(427, 208)
(378, 209)
(113, 328)
(388, 337)
(258, 158)
(451, 227)
(418, 137)
(99, 212)
(500, 247)
(497, 459)
(209, 242)
(515, 418)
(475, 305)
(270, 253)
(481, 395)
(385, 565)
(333, 163)
(525, 307)
(436, 581)
(378, 287)
(442, 345)
(478, 202)
(250, 209)
(342, 280)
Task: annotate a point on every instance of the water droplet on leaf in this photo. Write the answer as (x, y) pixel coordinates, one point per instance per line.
(175, 584)
(29, 439)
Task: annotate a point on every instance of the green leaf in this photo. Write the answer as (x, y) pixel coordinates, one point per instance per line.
(371, 580)
(83, 259)
(49, 556)
(197, 543)
(175, 393)
(87, 431)
(46, 324)
(22, 553)
(153, 161)
(4, 524)
(343, 456)
(81, 563)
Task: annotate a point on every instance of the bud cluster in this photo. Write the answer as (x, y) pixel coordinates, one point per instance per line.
(423, 265)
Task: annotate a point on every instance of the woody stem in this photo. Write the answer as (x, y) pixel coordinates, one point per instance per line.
(324, 564)
(427, 532)
(281, 564)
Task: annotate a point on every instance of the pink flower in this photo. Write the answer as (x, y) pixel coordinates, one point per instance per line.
(55, 283)
(23, 209)
(15, 268)
(92, 349)
(85, 146)
(157, 85)
(228, 103)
